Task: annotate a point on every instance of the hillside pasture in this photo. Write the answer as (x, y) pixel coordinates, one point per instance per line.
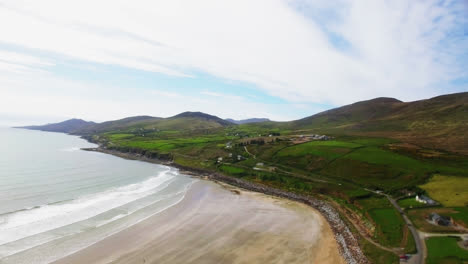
(450, 191)
(445, 250)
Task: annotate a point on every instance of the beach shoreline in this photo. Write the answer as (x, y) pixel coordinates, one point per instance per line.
(348, 245)
(219, 223)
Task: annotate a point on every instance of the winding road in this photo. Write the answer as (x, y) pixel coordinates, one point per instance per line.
(419, 257)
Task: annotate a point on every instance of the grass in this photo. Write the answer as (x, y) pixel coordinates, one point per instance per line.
(388, 222)
(450, 191)
(410, 203)
(373, 141)
(377, 255)
(375, 155)
(410, 247)
(347, 164)
(418, 217)
(389, 226)
(460, 215)
(325, 149)
(231, 170)
(445, 250)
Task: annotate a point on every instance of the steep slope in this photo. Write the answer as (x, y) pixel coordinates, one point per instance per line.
(440, 122)
(68, 126)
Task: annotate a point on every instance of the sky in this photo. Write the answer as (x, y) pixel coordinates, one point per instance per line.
(283, 60)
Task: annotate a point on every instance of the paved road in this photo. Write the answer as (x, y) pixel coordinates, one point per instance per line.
(462, 236)
(419, 257)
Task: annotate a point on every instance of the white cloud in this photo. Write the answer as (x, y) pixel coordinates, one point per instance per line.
(62, 99)
(398, 48)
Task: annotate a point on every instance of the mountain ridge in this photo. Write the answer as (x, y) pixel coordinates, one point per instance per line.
(437, 123)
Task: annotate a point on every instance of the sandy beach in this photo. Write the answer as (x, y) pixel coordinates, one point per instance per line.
(221, 224)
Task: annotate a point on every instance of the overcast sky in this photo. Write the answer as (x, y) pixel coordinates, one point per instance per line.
(108, 59)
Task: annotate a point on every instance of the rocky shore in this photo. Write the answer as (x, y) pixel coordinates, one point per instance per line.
(348, 245)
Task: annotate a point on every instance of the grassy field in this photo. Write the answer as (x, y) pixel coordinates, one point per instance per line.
(325, 149)
(443, 250)
(389, 226)
(418, 217)
(460, 215)
(388, 222)
(377, 255)
(338, 168)
(410, 203)
(449, 190)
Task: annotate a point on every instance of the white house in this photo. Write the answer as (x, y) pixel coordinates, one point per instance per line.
(425, 200)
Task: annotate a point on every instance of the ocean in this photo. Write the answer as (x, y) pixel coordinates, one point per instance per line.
(56, 199)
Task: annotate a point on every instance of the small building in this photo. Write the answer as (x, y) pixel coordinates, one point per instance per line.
(440, 220)
(239, 157)
(260, 164)
(220, 159)
(230, 155)
(229, 145)
(425, 200)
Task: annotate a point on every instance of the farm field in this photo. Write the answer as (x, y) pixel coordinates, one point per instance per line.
(450, 191)
(444, 250)
(374, 147)
(341, 167)
(389, 226)
(418, 217)
(388, 223)
(460, 215)
(410, 202)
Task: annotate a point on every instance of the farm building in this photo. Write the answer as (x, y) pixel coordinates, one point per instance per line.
(425, 200)
(440, 220)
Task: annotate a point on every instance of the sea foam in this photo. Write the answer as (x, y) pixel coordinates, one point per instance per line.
(25, 223)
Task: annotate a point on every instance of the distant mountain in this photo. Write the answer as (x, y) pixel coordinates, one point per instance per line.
(438, 123)
(247, 121)
(68, 126)
(195, 120)
(120, 124)
(183, 121)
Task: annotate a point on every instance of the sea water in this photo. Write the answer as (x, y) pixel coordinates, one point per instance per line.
(56, 199)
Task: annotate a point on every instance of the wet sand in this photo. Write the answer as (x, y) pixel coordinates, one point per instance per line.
(221, 224)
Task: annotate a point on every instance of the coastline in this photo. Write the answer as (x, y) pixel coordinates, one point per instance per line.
(348, 246)
(219, 223)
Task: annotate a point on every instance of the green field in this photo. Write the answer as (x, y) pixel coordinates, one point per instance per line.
(387, 221)
(380, 144)
(451, 191)
(410, 203)
(443, 250)
(418, 217)
(460, 215)
(325, 149)
(232, 170)
(389, 226)
(342, 166)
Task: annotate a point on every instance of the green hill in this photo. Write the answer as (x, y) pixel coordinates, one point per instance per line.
(187, 121)
(116, 125)
(400, 148)
(68, 126)
(437, 123)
